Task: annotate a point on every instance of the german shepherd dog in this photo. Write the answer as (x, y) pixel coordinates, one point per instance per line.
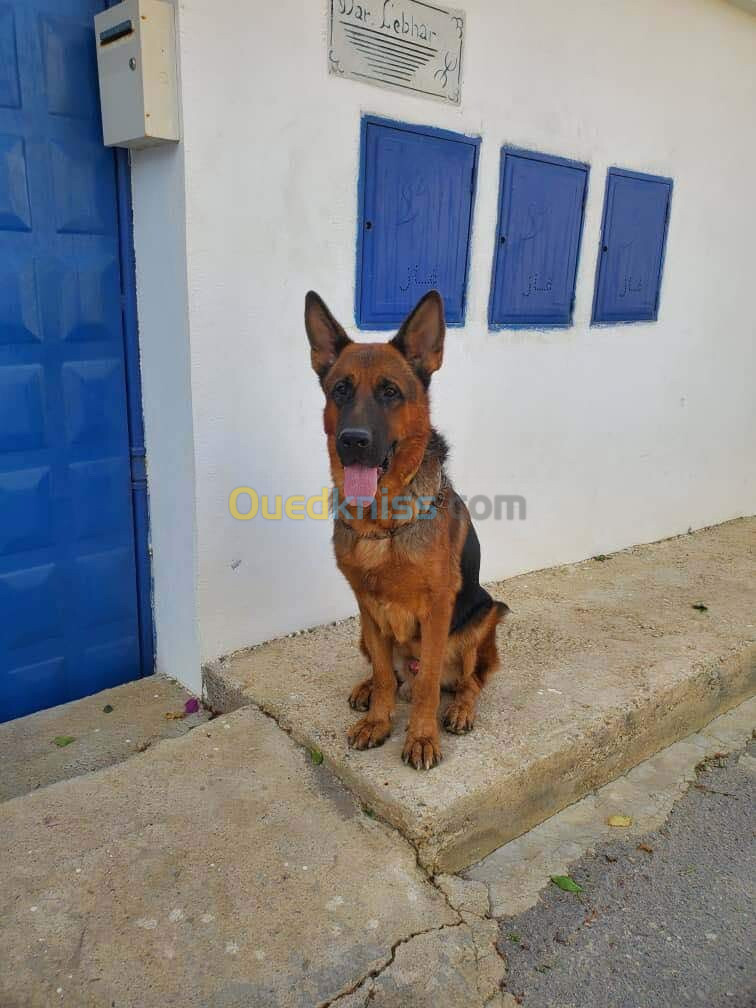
(403, 538)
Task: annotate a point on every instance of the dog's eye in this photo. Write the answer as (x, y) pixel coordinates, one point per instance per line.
(390, 392)
(341, 390)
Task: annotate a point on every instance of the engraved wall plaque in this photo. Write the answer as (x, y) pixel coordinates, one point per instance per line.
(409, 45)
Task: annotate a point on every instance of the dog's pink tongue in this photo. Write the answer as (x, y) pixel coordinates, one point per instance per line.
(360, 484)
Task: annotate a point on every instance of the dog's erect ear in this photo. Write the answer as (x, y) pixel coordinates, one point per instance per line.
(421, 338)
(327, 338)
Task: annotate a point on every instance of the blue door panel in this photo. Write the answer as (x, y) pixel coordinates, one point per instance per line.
(15, 211)
(19, 316)
(70, 65)
(26, 510)
(32, 687)
(87, 289)
(99, 498)
(417, 193)
(69, 609)
(540, 224)
(631, 255)
(10, 92)
(33, 596)
(112, 664)
(22, 410)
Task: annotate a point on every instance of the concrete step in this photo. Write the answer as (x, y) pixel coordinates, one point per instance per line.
(517, 873)
(224, 868)
(30, 759)
(604, 663)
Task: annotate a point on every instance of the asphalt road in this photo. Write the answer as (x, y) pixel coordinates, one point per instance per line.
(670, 927)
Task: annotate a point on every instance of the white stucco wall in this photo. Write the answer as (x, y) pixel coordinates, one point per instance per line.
(159, 204)
(614, 435)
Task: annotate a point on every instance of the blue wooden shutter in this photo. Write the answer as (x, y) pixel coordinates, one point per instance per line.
(541, 203)
(416, 200)
(631, 254)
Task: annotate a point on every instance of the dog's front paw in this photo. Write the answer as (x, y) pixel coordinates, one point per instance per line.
(422, 749)
(459, 718)
(369, 732)
(359, 698)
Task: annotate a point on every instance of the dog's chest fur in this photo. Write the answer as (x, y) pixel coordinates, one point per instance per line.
(388, 579)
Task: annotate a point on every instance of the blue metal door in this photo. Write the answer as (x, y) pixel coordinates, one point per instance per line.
(69, 607)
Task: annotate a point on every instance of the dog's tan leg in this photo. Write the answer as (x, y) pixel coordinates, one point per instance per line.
(422, 747)
(375, 727)
(460, 714)
(359, 698)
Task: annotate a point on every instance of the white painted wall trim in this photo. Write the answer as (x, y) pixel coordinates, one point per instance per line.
(159, 204)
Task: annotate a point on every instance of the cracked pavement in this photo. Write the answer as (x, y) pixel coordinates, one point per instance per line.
(448, 967)
(457, 964)
(444, 967)
(227, 868)
(556, 950)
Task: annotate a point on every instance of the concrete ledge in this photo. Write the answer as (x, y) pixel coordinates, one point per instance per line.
(137, 720)
(515, 875)
(220, 869)
(604, 663)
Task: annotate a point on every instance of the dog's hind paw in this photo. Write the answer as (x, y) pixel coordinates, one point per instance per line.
(359, 698)
(459, 718)
(368, 733)
(422, 751)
